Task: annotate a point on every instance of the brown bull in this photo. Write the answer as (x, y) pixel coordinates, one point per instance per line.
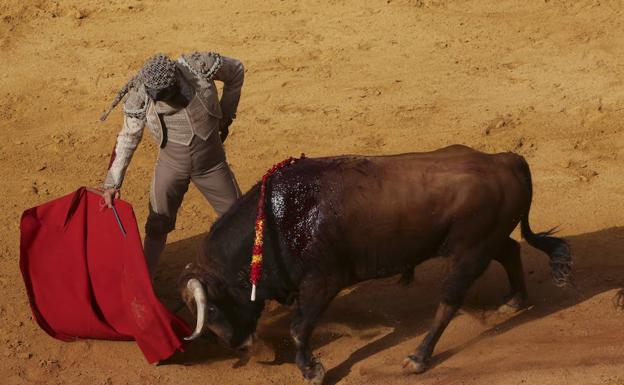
(333, 222)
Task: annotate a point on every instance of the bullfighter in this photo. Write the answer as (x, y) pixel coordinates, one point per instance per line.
(179, 103)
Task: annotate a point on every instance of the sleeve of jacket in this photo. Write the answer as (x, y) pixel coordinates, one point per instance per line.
(232, 74)
(128, 139)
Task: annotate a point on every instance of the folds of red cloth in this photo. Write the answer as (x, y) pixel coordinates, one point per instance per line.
(85, 279)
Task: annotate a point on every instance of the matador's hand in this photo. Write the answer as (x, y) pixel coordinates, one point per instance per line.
(109, 195)
(224, 129)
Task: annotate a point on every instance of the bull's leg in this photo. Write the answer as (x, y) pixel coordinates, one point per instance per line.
(464, 271)
(310, 366)
(418, 361)
(311, 303)
(510, 259)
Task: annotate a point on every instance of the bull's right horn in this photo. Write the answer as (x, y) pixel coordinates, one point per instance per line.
(195, 287)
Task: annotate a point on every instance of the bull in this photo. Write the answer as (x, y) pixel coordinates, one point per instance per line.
(333, 222)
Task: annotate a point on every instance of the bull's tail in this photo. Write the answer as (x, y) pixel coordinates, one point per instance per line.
(557, 249)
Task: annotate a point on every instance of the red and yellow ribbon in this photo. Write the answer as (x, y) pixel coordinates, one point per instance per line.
(256, 258)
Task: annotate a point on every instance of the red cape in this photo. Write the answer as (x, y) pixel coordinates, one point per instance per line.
(86, 280)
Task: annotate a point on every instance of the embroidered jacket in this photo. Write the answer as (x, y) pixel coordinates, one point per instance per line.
(200, 70)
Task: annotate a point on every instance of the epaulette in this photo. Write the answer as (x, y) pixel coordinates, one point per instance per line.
(199, 66)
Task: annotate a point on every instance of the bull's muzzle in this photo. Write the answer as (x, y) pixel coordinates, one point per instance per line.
(245, 350)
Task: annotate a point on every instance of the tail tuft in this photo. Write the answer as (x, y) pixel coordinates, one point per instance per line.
(558, 251)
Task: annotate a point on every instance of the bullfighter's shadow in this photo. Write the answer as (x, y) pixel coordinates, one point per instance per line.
(408, 311)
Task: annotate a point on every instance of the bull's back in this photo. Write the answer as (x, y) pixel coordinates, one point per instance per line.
(383, 214)
(434, 187)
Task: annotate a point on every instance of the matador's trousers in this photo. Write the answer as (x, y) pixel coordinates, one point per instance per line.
(203, 163)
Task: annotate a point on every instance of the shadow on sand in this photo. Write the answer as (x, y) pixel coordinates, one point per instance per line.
(407, 311)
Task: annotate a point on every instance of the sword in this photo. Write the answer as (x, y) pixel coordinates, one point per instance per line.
(123, 231)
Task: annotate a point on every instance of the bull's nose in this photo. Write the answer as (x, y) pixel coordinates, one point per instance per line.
(244, 355)
(244, 350)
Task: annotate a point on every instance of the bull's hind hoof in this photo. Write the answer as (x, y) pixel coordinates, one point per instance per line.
(315, 373)
(414, 365)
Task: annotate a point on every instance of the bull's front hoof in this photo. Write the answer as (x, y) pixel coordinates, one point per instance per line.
(514, 305)
(508, 309)
(315, 373)
(414, 365)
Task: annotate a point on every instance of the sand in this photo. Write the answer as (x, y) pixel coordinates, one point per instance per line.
(541, 78)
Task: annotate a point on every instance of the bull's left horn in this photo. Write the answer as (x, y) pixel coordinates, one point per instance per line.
(195, 287)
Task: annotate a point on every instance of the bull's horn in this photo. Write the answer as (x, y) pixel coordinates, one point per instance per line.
(195, 287)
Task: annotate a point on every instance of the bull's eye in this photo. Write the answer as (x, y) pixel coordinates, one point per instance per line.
(212, 312)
